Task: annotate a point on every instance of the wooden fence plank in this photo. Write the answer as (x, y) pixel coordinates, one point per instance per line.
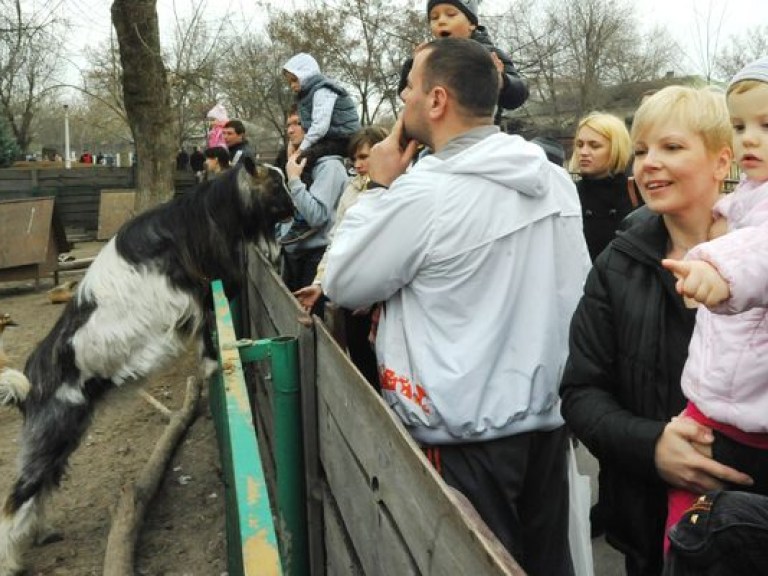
(116, 206)
(274, 311)
(77, 191)
(406, 484)
(341, 559)
(378, 542)
(25, 227)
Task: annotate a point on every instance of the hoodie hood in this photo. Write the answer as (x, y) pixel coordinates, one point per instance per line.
(510, 161)
(303, 66)
(218, 112)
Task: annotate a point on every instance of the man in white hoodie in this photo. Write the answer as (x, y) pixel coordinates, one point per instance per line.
(478, 255)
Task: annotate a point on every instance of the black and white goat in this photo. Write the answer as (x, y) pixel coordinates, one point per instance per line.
(143, 300)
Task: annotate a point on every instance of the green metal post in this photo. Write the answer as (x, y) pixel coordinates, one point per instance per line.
(282, 352)
(251, 541)
(289, 453)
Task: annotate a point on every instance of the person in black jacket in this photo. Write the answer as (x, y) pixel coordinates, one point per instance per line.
(629, 335)
(237, 144)
(601, 154)
(458, 19)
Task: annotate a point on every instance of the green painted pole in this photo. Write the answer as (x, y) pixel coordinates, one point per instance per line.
(282, 352)
(289, 454)
(251, 540)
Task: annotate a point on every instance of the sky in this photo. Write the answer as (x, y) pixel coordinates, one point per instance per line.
(687, 20)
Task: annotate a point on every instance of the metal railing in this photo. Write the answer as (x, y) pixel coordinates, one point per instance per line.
(252, 538)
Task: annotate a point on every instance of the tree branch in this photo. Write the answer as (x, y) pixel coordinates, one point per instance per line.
(135, 498)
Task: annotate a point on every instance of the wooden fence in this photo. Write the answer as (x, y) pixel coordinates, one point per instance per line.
(375, 505)
(77, 191)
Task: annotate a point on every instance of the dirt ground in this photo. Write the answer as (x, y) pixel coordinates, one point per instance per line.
(184, 532)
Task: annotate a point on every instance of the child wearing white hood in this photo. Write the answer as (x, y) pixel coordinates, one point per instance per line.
(329, 118)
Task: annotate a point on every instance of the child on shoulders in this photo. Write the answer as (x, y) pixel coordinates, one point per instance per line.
(329, 118)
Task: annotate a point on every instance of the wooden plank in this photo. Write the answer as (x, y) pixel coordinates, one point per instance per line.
(283, 309)
(341, 558)
(377, 541)
(77, 191)
(116, 207)
(313, 473)
(274, 311)
(261, 323)
(25, 227)
(421, 508)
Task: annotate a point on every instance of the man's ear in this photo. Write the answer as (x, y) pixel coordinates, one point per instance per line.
(439, 101)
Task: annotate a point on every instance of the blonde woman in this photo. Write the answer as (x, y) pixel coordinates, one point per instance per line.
(601, 154)
(630, 333)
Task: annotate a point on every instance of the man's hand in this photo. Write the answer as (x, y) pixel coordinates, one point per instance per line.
(683, 459)
(699, 281)
(390, 158)
(294, 167)
(308, 296)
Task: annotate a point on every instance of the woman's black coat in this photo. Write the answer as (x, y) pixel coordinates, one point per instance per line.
(628, 344)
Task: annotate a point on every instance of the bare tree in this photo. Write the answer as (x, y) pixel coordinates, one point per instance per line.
(146, 95)
(256, 91)
(571, 50)
(387, 38)
(708, 23)
(195, 59)
(741, 50)
(29, 43)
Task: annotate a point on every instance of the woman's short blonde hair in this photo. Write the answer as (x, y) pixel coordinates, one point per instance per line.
(613, 129)
(701, 110)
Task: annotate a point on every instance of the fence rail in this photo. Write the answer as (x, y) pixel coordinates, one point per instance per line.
(77, 192)
(251, 540)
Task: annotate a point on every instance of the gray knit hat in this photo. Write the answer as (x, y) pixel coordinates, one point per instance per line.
(469, 7)
(757, 70)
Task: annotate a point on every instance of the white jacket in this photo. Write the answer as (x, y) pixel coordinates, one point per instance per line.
(481, 260)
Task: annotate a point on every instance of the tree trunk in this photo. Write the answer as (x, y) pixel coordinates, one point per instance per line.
(147, 99)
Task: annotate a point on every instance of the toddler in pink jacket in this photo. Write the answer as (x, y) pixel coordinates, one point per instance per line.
(217, 117)
(726, 375)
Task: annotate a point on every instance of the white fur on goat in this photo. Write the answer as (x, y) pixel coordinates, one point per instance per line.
(128, 335)
(142, 301)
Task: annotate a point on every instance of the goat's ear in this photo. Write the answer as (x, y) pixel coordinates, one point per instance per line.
(250, 165)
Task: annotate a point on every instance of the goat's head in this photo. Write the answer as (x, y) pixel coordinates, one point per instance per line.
(265, 192)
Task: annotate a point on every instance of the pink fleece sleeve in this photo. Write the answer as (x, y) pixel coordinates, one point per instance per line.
(741, 257)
